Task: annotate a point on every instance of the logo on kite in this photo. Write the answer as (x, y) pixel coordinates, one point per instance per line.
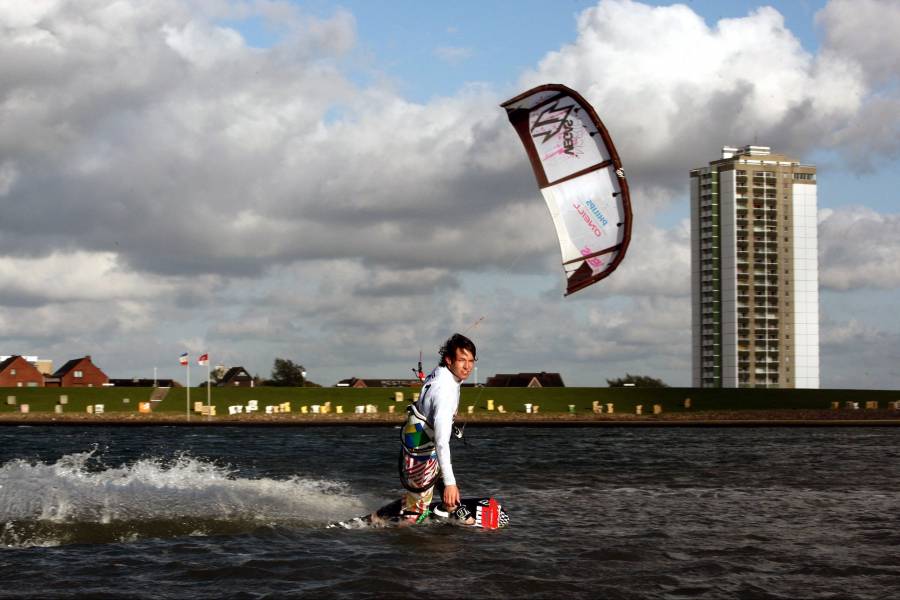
(588, 198)
(554, 119)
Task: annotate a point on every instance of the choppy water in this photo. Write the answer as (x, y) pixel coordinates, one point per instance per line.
(612, 513)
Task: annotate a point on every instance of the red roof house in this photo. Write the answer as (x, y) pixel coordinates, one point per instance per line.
(79, 372)
(15, 371)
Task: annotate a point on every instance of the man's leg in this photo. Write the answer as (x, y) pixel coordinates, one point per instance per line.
(415, 505)
(418, 475)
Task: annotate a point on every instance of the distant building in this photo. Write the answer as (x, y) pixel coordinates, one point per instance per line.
(532, 380)
(754, 271)
(16, 371)
(355, 382)
(44, 366)
(236, 377)
(78, 372)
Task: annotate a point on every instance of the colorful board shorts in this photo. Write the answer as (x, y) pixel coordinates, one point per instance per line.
(421, 471)
(419, 468)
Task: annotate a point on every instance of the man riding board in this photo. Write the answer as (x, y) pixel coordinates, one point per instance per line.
(425, 437)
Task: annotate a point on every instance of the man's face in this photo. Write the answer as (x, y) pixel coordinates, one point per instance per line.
(462, 365)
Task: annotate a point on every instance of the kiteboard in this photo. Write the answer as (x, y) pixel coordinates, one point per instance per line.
(484, 513)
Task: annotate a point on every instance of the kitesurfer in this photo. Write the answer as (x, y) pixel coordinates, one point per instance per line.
(425, 437)
(417, 371)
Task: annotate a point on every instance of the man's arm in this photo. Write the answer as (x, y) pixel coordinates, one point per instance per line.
(445, 407)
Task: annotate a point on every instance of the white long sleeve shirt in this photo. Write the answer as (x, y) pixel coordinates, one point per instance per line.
(438, 404)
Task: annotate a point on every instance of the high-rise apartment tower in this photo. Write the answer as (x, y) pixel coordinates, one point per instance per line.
(754, 271)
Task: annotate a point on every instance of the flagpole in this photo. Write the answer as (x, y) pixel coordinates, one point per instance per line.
(187, 406)
(208, 390)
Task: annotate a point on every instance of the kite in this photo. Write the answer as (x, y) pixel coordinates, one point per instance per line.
(580, 176)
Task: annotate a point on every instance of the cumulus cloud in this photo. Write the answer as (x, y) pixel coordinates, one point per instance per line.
(866, 33)
(659, 263)
(673, 89)
(874, 351)
(859, 248)
(161, 128)
(167, 133)
(76, 276)
(84, 302)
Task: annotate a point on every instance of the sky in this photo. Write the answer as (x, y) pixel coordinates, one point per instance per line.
(335, 183)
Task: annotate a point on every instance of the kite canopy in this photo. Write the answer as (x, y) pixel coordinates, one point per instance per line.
(580, 175)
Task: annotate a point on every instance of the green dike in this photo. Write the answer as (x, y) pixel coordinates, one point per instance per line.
(550, 400)
(45, 399)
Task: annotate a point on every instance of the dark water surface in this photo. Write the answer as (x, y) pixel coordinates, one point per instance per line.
(176, 512)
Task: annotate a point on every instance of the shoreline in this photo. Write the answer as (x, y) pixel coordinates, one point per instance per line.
(737, 418)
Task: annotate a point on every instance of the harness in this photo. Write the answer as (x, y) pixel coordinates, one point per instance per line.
(417, 435)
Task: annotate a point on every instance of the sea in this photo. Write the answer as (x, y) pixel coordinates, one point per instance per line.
(613, 512)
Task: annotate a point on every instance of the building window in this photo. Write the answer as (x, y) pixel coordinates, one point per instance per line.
(12, 371)
(77, 374)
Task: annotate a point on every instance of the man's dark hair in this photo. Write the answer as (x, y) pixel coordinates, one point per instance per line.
(455, 342)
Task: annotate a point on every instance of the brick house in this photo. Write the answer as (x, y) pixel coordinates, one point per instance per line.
(15, 371)
(78, 372)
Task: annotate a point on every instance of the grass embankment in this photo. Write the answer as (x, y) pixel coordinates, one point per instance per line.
(550, 400)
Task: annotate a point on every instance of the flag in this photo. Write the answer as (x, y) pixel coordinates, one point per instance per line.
(183, 359)
(203, 360)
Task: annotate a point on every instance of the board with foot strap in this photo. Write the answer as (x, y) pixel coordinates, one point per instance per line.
(485, 513)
